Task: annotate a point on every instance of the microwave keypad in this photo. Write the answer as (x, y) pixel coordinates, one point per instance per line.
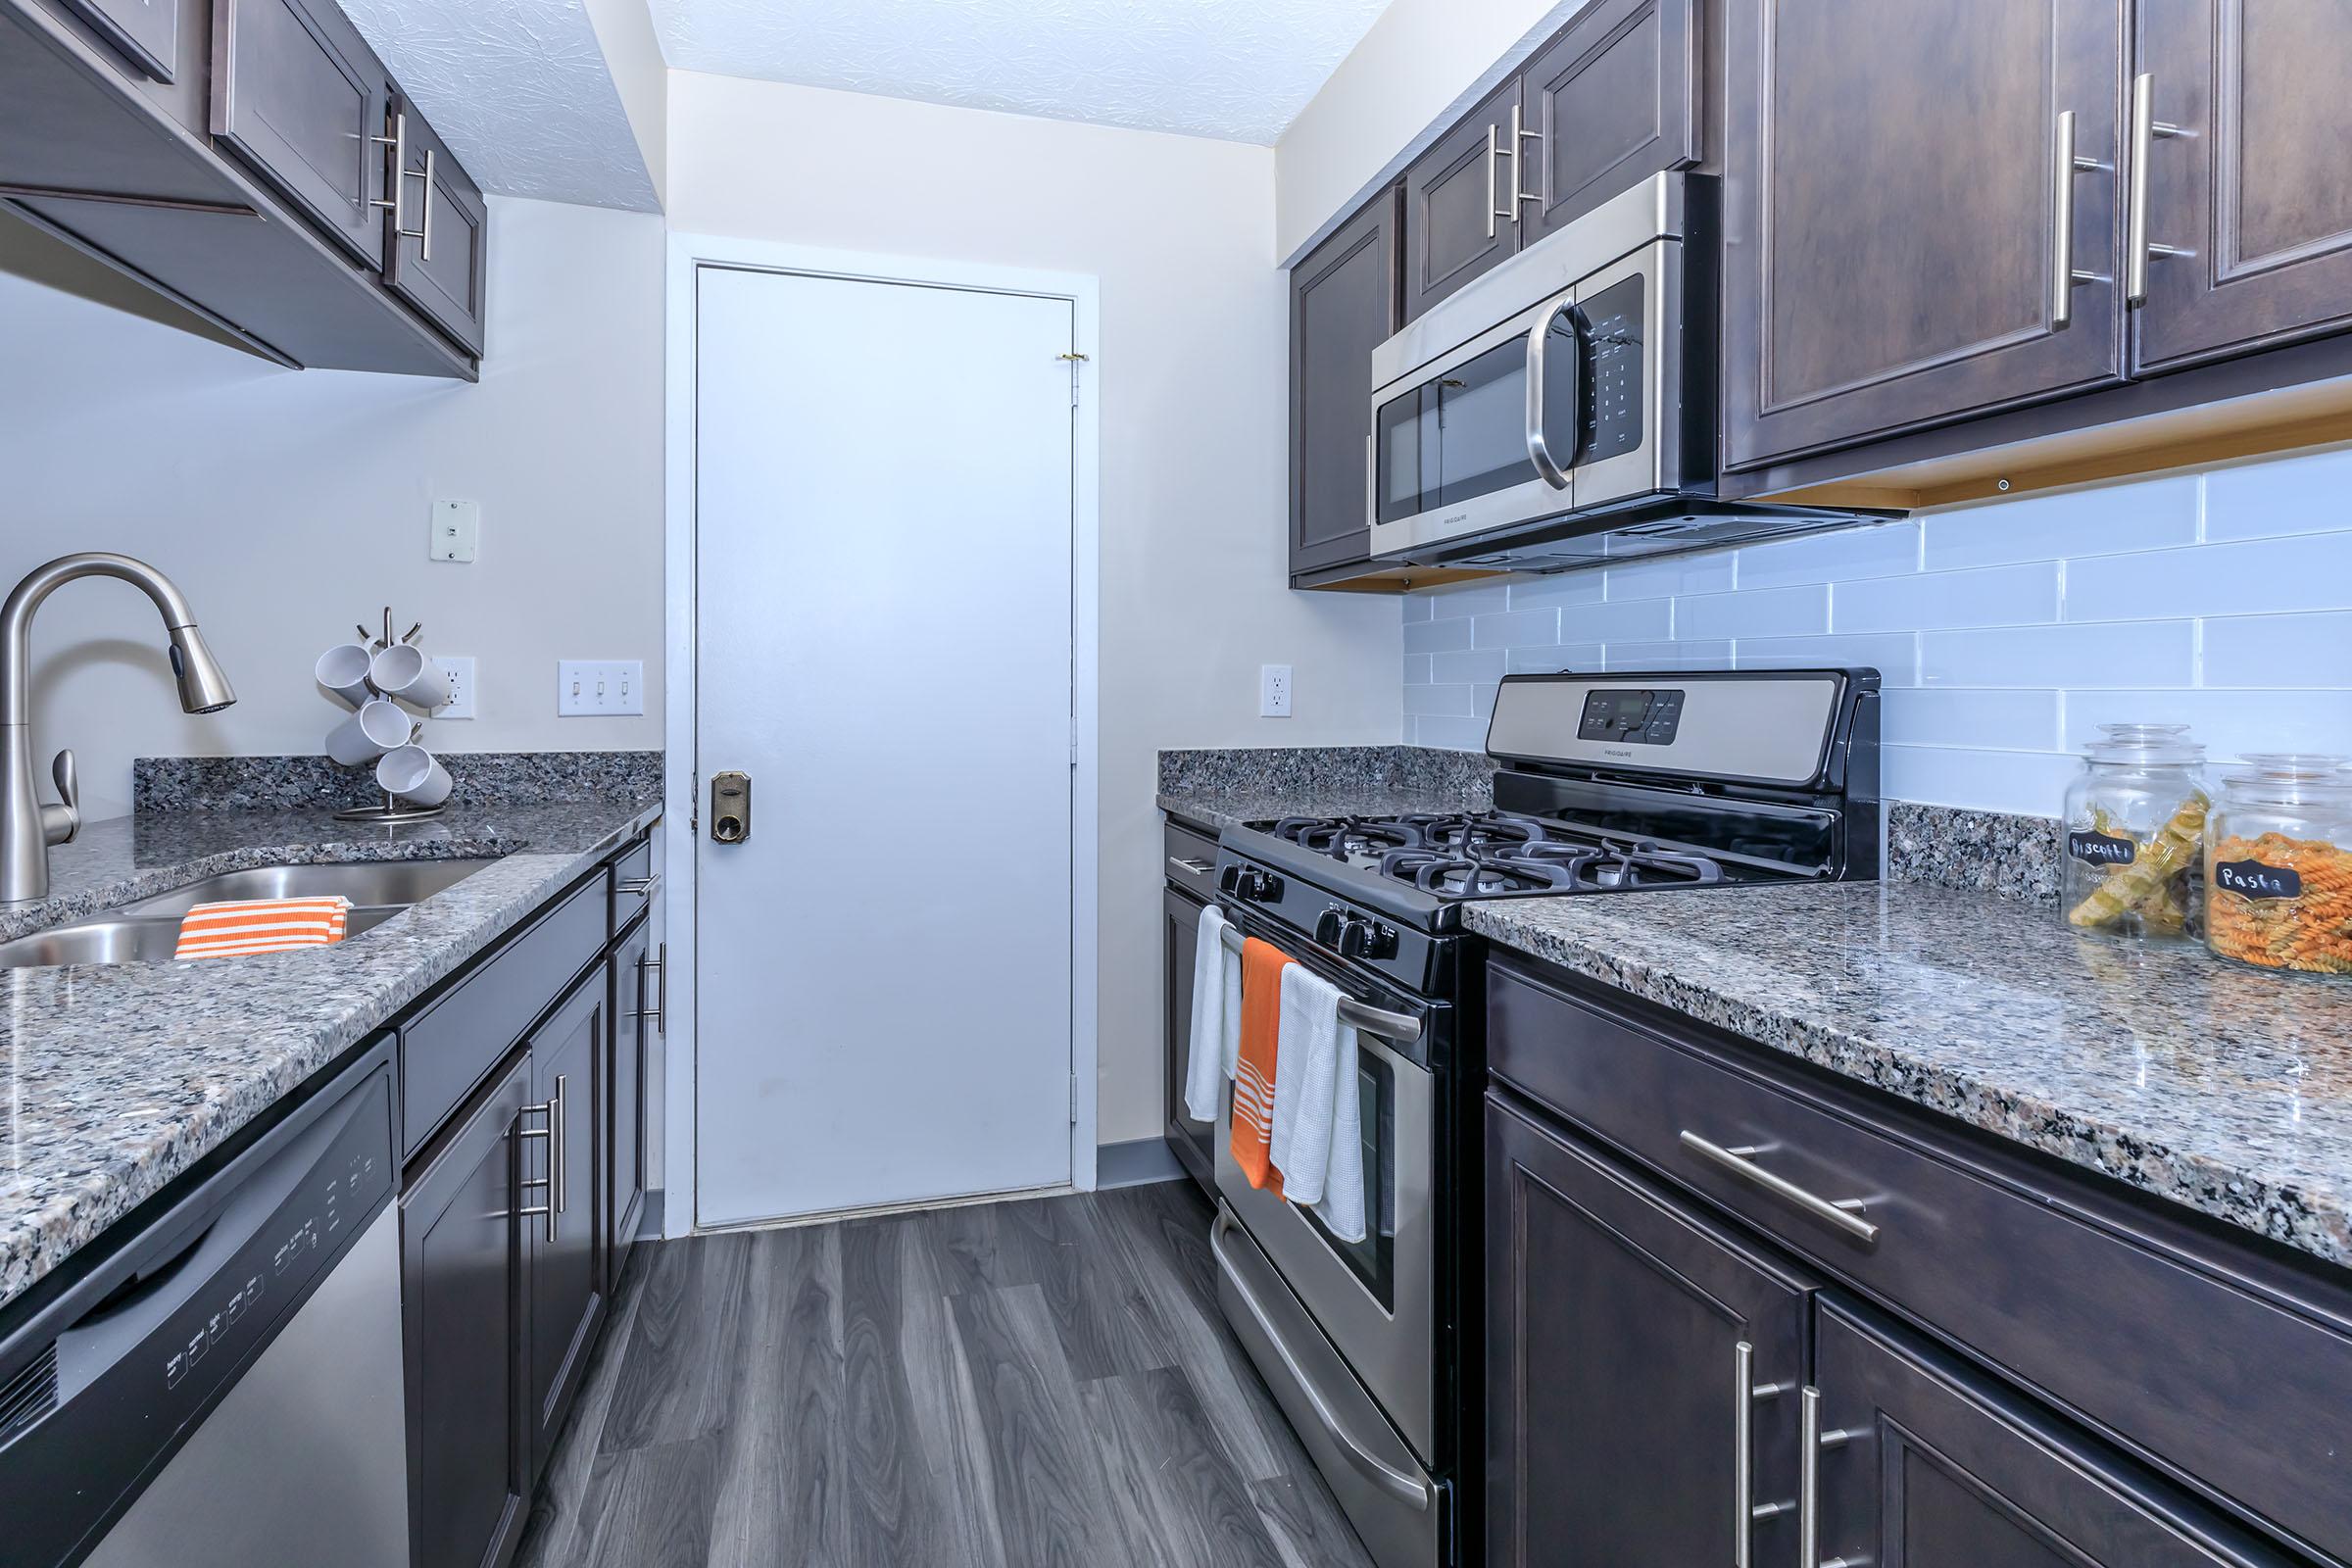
(1612, 412)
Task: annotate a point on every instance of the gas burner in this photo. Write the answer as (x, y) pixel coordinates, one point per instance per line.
(1475, 832)
(1341, 836)
(1466, 876)
(1643, 864)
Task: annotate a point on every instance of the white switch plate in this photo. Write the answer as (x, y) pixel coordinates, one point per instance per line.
(600, 687)
(457, 530)
(459, 668)
(1273, 691)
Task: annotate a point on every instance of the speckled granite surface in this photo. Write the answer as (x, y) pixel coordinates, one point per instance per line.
(2224, 1089)
(1976, 851)
(1221, 789)
(478, 778)
(119, 1077)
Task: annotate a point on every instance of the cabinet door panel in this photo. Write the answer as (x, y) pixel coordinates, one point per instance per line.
(1613, 1320)
(1611, 102)
(2258, 191)
(633, 1028)
(146, 31)
(1180, 931)
(1938, 1468)
(298, 95)
(1342, 305)
(447, 285)
(1891, 251)
(1460, 214)
(463, 1295)
(566, 1255)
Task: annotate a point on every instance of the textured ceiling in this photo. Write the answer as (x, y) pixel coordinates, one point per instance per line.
(1238, 70)
(520, 91)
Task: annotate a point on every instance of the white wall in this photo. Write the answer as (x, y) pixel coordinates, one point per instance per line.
(1193, 381)
(1420, 63)
(289, 504)
(2006, 633)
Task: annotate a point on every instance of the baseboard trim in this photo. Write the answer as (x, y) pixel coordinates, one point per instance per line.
(1136, 1164)
(648, 1217)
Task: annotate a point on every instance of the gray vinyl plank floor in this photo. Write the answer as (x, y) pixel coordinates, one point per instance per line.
(1040, 1383)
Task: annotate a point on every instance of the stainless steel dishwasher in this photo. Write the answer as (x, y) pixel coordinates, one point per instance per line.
(225, 1387)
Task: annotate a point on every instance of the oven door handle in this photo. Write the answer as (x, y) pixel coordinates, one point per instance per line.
(1411, 1490)
(1553, 467)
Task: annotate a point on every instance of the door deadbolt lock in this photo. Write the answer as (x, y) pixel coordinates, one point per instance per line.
(730, 807)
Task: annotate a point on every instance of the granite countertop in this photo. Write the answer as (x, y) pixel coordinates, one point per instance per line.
(2224, 1089)
(120, 1077)
(1231, 807)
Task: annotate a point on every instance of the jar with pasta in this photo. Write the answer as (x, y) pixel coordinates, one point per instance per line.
(2134, 823)
(2279, 865)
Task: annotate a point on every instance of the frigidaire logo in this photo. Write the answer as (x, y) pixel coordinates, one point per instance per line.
(1459, 517)
(1611, 751)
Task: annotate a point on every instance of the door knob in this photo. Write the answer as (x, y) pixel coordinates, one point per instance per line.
(730, 807)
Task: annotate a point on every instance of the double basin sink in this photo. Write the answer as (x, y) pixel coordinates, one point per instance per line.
(147, 931)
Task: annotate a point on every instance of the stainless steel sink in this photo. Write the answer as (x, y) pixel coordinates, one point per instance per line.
(148, 931)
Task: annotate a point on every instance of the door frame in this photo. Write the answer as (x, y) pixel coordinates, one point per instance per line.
(688, 253)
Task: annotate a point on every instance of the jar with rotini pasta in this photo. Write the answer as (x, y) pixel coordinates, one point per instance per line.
(2134, 822)
(2279, 865)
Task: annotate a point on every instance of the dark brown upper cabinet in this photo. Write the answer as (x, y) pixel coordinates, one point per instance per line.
(145, 31)
(2244, 129)
(436, 235)
(1461, 207)
(1609, 103)
(1909, 237)
(1342, 305)
(299, 96)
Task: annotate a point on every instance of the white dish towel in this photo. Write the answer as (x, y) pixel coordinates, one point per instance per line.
(1216, 1044)
(1318, 1140)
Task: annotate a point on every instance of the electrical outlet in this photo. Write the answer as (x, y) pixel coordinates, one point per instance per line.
(459, 668)
(456, 531)
(1273, 691)
(600, 687)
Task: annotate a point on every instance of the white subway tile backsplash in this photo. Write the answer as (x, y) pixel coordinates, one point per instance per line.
(2156, 652)
(1467, 665)
(2301, 571)
(2300, 495)
(1416, 607)
(1468, 598)
(1894, 654)
(1842, 556)
(2084, 522)
(1556, 588)
(2290, 650)
(1454, 734)
(1418, 671)
(1988, 596)
(1438, 701)
(1700, 654)
(1651, 619)
(1518, 629)
(1436, 636)
(1922, 715)
(1709, 573)
(2230, 723)
(1551, 660)
(1755, 613)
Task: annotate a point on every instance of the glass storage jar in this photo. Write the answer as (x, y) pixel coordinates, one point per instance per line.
(2134, 823)
(2278, 864)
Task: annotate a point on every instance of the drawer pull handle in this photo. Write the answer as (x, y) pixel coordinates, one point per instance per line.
(1844, 1213)
(1188, 865)
(639, 886)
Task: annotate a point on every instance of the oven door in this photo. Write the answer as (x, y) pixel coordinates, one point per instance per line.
(1373, 1298)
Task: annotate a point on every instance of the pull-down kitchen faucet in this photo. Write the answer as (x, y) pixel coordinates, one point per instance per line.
(27, 827)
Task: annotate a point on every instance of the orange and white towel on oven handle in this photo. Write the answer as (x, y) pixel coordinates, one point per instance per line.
(1263, 965)
(240, 927)
(1316, 1137)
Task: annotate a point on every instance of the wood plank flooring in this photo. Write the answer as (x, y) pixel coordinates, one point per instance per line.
(1044, 1384)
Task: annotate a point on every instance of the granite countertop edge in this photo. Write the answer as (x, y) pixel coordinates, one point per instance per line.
(265, 1039)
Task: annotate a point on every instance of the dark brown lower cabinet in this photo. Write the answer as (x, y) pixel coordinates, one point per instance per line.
(1926, 1464)
(1635, 1351)
(565, 1249)
(461, 1305)
(633, 1021)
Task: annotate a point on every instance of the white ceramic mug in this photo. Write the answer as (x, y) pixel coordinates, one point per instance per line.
(412, 773)
(403, 672)
(343, 670)
(368, 734)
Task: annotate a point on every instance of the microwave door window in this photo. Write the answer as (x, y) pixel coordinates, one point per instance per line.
(1482, 424)
(1405, 452)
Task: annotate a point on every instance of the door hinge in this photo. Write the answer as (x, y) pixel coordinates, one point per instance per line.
(1073, 1100)
(1073, 361)
(1073, 739)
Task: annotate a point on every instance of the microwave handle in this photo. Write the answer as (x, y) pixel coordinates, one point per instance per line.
(1553, 467)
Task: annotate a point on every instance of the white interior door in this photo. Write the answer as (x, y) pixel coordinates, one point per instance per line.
(883, 515)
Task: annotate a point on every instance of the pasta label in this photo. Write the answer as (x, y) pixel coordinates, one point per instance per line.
(2254, 880)
(2102, 848)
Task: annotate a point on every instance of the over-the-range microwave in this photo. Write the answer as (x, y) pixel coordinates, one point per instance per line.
(1559, 410)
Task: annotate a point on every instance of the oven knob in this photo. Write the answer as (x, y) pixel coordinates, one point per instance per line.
(1327, 928)
(1229, 878)
(1369, 939)
(1257, 887)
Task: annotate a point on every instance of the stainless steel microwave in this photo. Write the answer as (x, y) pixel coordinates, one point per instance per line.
(1559, 410)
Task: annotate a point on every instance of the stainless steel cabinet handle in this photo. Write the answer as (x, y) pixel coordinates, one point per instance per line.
(546, 1211)
(1553, 465)
(1190, 865)
(1812, 1443)
(2146, 129)
(1494, 185)
(1409, 1489)
(398, 141)
(640, 884)
(1520, 138)
(2065, 163)
(660, 965)
(1843, 1213)
(1746, 1511)
(554, 1156)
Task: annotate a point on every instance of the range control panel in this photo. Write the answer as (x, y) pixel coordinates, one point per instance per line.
(1631, 716)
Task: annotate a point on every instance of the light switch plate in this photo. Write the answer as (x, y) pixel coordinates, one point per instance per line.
(1273, 691)
(599, 687)
(459, 668)
(457, 534)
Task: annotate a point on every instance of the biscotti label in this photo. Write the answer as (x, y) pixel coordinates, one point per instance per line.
(2254, 880)
(2102, 848)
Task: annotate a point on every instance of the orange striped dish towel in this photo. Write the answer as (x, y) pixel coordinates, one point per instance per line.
(242, 926)
(1262, 965)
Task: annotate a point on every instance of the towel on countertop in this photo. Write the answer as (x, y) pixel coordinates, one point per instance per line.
(1316, 1140)
(236, 929)
(1262, 967)
(1216, 1043)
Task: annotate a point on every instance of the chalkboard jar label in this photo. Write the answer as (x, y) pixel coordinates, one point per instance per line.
(2254, 880)
(2102, 848)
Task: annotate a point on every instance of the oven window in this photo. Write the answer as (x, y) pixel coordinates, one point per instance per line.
(1373, 1259)
(1482, 424)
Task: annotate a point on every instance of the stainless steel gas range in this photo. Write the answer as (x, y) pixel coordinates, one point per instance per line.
(1701, 782)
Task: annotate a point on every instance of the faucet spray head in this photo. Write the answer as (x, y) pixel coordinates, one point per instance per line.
(204, 686)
